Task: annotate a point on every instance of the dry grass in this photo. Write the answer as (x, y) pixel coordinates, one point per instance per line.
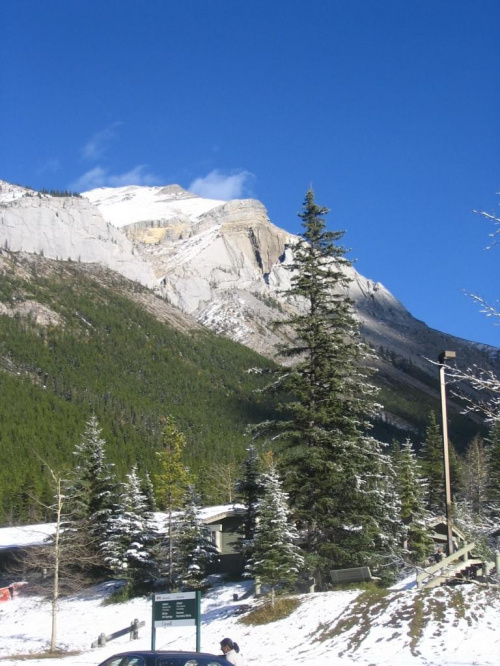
(266, 612)
(46, 654)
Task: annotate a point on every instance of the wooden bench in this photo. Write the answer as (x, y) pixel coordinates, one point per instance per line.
(354, 575)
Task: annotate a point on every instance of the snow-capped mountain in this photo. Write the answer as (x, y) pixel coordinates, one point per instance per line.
(222, 262)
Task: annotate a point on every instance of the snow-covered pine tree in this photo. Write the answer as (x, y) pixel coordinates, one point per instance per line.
(90, 494)
(392, 531)
(249, 489)
(129, 548)
(195, 550)
(411, 489)
(276, 559)
(332, 466)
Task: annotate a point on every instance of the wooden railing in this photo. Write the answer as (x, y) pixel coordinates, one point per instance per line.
(439, 569)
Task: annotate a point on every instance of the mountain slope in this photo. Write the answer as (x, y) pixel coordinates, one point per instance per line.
(210, 258)
(224, 264)
(77, 340)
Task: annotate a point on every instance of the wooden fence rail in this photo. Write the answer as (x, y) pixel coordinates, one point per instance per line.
(133, 630)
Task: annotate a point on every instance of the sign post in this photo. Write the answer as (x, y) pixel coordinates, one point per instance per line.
(180, 609)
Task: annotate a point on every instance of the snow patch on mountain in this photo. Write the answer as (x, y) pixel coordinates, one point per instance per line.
(123, 206)
(9, 192)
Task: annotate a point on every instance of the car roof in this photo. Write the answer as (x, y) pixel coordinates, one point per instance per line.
(180, 653)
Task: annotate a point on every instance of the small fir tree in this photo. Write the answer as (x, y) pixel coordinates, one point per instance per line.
(276, 559)
(148, 492)
(195, 550)
(431, 463)
(412, 490)
(249, 491)
(131, 543)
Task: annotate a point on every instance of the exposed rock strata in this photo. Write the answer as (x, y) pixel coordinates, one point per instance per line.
(223, 263)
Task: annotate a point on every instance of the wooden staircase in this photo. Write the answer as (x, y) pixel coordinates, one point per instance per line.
(461, 565)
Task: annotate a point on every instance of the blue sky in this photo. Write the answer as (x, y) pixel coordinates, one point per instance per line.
(388, 108)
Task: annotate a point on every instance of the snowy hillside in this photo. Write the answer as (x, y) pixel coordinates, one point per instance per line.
(9, 192)
(442, 627)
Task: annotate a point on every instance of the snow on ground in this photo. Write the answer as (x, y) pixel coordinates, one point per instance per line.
(25, 535)
(446, 626)
(405, 627)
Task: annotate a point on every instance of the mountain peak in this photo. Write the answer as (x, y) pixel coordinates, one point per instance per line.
(123, 206)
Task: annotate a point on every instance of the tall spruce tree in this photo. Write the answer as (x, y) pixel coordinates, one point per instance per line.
(333, 468)
(276, 559)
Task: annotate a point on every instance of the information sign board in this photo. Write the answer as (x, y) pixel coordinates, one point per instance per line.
(175, 610)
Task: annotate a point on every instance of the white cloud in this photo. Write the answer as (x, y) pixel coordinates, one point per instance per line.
(97, 145)
(50, 166)
(219, 185)
(99, 177)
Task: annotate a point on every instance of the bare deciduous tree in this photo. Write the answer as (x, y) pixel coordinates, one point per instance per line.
(55, 566)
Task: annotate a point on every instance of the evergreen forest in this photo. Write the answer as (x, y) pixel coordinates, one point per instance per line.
(77, 340)
(104, 353)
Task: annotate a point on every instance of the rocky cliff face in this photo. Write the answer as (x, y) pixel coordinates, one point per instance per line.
(223, 263)
(66, 228)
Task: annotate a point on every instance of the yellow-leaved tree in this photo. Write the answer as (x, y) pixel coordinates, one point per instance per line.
(171, 480)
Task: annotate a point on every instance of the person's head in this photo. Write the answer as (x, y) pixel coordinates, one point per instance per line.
(226, 645)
